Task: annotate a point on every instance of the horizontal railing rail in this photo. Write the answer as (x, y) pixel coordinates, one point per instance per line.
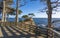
(56, 33)
(33, 28)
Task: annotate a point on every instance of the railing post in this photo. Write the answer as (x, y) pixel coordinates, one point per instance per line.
(50, 33)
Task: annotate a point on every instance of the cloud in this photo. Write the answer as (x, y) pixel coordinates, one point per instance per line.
(44, 15)
(57, 15)
(40, 15)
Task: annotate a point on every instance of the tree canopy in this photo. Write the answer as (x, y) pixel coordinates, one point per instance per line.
(9, 10)
(25, 16)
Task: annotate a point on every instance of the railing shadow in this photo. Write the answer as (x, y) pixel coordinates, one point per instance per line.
(22, 35)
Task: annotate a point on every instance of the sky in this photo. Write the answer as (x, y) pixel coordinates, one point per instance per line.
(34, 7)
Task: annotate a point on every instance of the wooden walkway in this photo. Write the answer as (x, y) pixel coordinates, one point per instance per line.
(16, 32)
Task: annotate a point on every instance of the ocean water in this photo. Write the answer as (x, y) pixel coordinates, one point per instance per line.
(39, 21)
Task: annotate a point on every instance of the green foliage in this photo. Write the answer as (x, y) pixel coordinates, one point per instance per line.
(25, 16)
(8, 2)
(31, 14)
(11, 10)
(20, 11)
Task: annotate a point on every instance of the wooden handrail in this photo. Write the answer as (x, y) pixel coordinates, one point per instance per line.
(54, 31)
(34, 27)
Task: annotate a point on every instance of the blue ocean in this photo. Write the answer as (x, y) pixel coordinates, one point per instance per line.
(39, 21)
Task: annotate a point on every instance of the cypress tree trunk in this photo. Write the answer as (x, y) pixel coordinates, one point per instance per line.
(17, 12)
(3, 13)
(50, 33)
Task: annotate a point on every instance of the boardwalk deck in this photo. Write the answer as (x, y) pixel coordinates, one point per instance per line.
(1, 34)
(15, 32)
(8, 32)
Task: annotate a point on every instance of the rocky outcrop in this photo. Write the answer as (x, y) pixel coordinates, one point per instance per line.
(30, 22)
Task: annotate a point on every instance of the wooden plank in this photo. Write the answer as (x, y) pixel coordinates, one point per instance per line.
(20, 30)
(1, 34)
(17, 33)
(54, 31)
(8, 32)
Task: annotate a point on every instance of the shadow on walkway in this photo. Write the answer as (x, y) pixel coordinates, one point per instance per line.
(15, 33)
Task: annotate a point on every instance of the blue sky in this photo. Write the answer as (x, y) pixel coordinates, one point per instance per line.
(34, 7)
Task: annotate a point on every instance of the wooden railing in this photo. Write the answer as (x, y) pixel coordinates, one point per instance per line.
(32, 28)
(10, 23)
(56, 33)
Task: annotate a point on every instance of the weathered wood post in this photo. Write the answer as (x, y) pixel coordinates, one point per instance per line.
(17, 12)
(3, 13)
(50, 33)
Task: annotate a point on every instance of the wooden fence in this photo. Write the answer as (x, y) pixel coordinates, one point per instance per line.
(31, 28)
